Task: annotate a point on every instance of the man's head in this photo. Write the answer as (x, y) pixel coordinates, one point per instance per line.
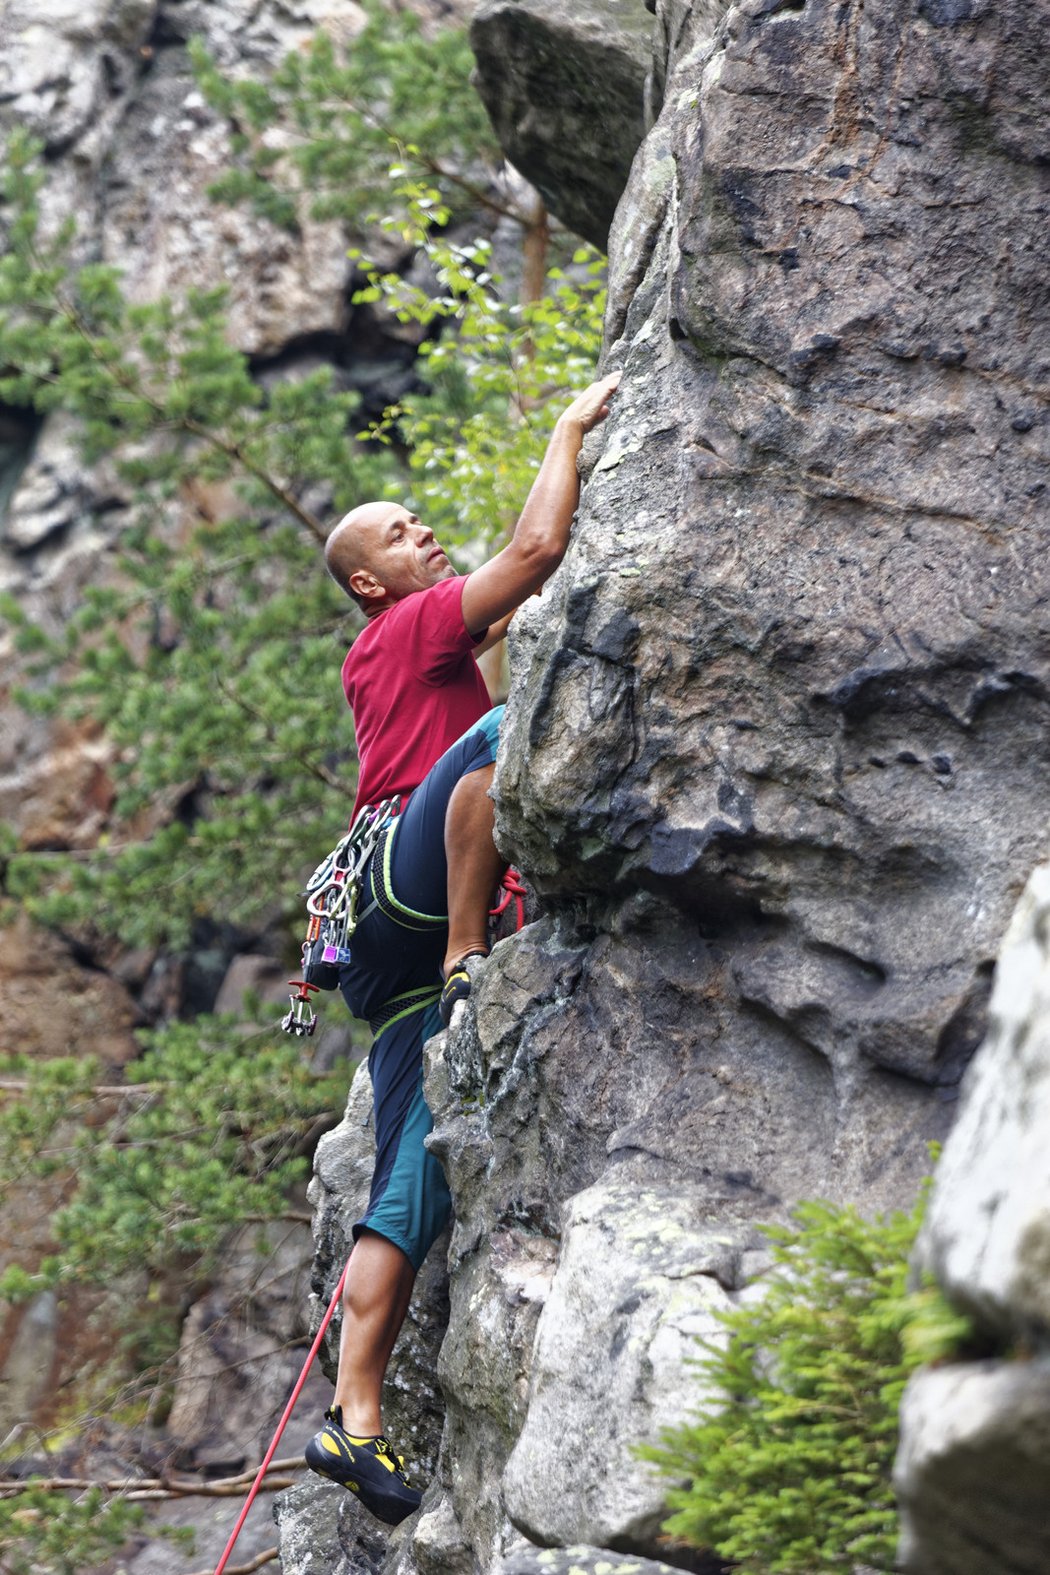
(380, 553)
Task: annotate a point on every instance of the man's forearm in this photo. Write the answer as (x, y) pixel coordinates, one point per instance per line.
(544, 524)
(542, 532)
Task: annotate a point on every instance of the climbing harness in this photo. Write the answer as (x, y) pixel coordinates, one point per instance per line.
(332, 896)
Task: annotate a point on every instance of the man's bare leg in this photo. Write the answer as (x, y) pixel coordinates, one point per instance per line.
(375, 1299)
(474, 865)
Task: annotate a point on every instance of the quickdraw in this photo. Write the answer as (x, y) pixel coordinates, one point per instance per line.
(332, 895)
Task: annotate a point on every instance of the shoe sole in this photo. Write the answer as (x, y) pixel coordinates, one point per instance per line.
(390, 1512)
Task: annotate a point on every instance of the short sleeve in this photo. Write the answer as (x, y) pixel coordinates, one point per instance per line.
(429, 630)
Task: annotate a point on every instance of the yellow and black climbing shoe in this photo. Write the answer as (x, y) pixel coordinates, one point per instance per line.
(456, 987)
(367, 1466)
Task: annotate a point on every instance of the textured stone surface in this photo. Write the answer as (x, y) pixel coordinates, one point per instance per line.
(577, 1560)
(793, 673)
(565, 90)
(613, 1063)
(971, 1466)
(637, 1284)
(971, 1473)
(775, 749)
(322, 1531)
(987, 1236)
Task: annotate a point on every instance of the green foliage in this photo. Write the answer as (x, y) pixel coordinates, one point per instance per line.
(41, 1534)
(316, 137)
(212, 1133)
(476, 437)
(791, 1475)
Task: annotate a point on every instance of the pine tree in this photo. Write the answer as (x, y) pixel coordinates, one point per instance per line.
(787, 1466)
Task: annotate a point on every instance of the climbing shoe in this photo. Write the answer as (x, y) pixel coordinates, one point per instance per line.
(456, 987)
(367, 1466)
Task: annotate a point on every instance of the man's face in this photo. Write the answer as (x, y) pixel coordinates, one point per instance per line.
(401, 553)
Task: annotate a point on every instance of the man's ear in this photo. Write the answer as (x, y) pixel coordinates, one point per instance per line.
(366, 586)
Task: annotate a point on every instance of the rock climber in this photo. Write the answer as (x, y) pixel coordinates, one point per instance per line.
(426, 730)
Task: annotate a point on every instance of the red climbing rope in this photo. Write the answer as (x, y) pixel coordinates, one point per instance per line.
(282, 1424)
(512, 890)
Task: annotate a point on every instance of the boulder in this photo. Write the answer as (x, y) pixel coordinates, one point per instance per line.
(971, 1472)
(638, 1283)
(987, 1237)
(565, 90)
(792, 674)
(581, 1560)
(974, 1436)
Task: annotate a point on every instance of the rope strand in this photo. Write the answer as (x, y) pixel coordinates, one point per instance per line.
(282, 1424)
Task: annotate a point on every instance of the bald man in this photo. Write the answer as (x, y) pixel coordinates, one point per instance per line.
(426, 730)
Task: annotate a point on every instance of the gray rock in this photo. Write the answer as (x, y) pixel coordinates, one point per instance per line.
(564, 88)
(792, 675)
(577, 1560)
(615, 1064)
(775, 749)
(51, 496)
(971, 1473)
(683, 28)
(987, 1237)
(637, 1285)
(59, 66)
(974, 1438)
(312, 1536)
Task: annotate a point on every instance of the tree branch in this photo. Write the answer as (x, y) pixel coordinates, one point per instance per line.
(132, 385)
(139, 1488)
(266, 1557)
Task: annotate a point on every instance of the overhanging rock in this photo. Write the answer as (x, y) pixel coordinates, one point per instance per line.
(565, 90)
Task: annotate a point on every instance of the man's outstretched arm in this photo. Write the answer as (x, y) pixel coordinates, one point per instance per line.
(542, 532)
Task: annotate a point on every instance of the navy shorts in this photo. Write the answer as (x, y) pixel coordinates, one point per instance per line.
(393, 980)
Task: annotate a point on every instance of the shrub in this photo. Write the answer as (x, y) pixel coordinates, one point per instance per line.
(791, 1475)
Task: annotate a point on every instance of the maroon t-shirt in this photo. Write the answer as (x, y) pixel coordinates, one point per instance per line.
(414, 687)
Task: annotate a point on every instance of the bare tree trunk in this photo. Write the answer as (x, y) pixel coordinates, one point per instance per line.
(535, 246)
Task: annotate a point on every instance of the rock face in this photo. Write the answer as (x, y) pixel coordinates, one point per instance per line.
(776, 748)
(607, 1367)
(974, 1436)
(565, 89)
